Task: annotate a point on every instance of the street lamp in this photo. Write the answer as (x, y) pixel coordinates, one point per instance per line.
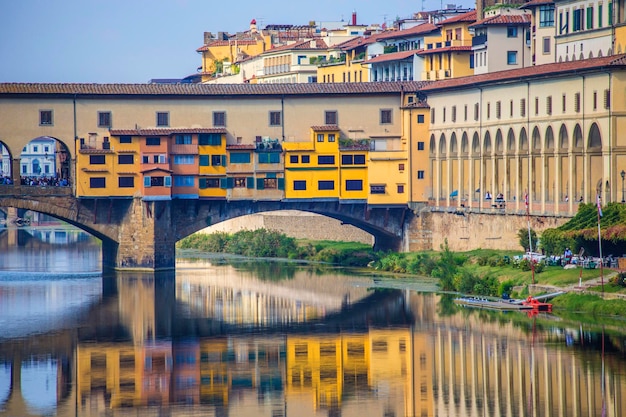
(623, 174)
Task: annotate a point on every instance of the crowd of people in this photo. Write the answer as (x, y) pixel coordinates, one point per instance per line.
(36, 181)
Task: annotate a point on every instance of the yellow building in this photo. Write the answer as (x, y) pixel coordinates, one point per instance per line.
(345, 62)
(416, 126)
(312, 168)
(212, 161)
(449, 55)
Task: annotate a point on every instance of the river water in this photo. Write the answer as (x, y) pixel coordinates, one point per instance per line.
(225, 336)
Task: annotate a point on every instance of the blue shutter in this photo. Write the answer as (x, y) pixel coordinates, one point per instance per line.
(147, 181)
(250, 182)
(260, 184)
(281, 183)
(168, 181)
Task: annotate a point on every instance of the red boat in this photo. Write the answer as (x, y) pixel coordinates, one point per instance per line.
(537, 305)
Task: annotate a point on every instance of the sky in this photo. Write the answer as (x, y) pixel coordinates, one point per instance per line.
(134, 41)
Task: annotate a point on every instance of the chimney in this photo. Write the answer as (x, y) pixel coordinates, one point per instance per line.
(354, 18)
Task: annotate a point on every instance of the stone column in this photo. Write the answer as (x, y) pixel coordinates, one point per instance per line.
(146, 239)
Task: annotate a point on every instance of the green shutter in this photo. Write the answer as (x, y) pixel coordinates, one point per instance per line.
(230, 182)
(202, 183)
(223, 183)
(168, 181)
(147, 181)
(204, 160)
(223, 160)
(281, 183)
(274, 158)
(250, 182)
(260, 183)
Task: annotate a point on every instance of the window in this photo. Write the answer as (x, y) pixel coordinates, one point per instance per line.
(420, 146)
(511, 108)
(269, 158)
(126, 139)
(306, 159)
(498, 110)
(564, 103)
(577, 20)
(432, 115)
(400, 167)
(420, 118)
(476, 111)
(607, 99)
(219, 118)
(359, 159)
(546, 45)
(293, 159)
(511, 57)
(377, 189)
(590, 17)
(330, 117)
(549, 105)
(400, 188)
(275, 119)
(299, 185)
(354, 185)
(488, 110)
(45, 117)
(577, 102)
(443, 119)
(182, 140)
(268, 183)
(385, 116)
(240, 158)
(104, 119)
(546, 15)
(595, 100)
(126, 182)
(599, 15)
(347, 159)
(536, 106)
(97, 182)
(184, 160)
(204, 183)
(184, 181)
(240, 182)
(331, 137)
(320, 137)
(162, 118)
(210, 139)
(125, 159)
(203, 160)
(511, 32)
(97, 159)
(522, 107)
(153, 141)
(465, 113)
(216, 160)
(453, 116)
(325, 185)
(326, 159)
(420, 175)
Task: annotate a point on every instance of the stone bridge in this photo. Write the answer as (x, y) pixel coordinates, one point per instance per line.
(141, 235)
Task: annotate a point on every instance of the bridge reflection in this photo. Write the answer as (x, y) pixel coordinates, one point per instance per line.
(225, 344)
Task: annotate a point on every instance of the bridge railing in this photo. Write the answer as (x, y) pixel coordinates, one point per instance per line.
(34, 191)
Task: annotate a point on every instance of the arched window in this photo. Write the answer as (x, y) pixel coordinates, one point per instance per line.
(536, 139)
(454, 147)
(464, 144)
(523, 140)
(487, 148)
(499, 144)
(432, 146)
(510, 141)
(563, 139)
(578, 137)
(442, 145)
(475, 145)
(595, 139)
(549, 139)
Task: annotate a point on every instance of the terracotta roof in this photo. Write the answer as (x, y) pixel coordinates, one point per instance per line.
(545, 70)
(325, 128)
(164, 131)
(308, 44)
(444, 49)
(415, 30)
(394, 56)
(205, 90)
(465, 17)
(226, 43)
(355, 42)
(240, 147)
(535, 3)
(503, 20)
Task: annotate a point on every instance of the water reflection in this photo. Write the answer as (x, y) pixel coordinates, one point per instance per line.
(214, 339)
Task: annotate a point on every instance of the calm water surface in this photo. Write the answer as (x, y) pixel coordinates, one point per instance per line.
(223, 336)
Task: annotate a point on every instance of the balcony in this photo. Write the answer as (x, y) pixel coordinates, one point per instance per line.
(479, 40)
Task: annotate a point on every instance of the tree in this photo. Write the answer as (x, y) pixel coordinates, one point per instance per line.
(522, 234)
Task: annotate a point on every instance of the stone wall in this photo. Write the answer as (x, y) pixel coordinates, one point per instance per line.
(298, 224)
(466, 230)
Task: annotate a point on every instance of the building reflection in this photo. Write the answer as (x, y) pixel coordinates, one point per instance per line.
(440, 362)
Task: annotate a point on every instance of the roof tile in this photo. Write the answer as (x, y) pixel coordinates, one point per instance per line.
(164, 131)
